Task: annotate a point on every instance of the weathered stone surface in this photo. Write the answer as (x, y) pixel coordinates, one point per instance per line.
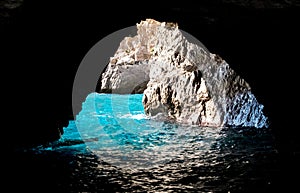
(185, 82)
(128, 70)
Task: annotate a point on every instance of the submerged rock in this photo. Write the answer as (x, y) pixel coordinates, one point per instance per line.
(181, 80)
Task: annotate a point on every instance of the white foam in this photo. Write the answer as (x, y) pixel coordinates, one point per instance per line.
(137, 116)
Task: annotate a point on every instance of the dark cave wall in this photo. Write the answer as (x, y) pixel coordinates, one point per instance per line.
(45, 41)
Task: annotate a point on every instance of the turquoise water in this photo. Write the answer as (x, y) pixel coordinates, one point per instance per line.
(116, 129)
(112, 146)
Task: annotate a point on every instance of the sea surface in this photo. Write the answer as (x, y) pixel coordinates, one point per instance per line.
(112, 146)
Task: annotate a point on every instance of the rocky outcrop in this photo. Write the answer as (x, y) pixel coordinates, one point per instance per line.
(185, 82)
(128, 70)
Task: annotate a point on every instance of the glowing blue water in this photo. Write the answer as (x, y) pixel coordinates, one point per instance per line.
(116, 128)
(112, 146)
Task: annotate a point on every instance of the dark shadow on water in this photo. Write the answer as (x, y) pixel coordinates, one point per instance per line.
(241, 159)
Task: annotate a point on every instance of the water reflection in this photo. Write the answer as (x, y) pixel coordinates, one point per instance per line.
(236, 159)
(116, 129)
(118, 149)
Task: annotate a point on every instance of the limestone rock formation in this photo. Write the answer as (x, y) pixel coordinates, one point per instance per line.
(181, 80)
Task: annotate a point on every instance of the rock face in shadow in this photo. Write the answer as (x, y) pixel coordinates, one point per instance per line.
(185, 82)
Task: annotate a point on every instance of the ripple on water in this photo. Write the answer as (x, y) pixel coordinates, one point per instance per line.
(116, 148)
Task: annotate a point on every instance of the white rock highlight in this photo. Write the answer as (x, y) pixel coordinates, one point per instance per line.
(181, 80)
